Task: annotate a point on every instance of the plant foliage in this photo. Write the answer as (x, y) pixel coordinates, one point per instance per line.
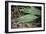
(32, 12)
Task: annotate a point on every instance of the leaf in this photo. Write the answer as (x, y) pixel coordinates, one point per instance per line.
(26, 18)
(31, 10)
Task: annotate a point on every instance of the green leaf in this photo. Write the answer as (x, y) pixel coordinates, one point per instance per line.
(26, 18)
(31, 10)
